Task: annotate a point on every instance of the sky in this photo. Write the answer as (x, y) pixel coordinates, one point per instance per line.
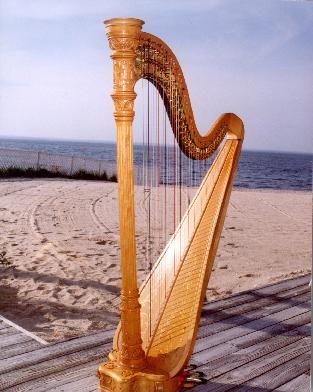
(250, 57)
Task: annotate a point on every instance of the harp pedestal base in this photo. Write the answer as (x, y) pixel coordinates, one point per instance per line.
(114, 378)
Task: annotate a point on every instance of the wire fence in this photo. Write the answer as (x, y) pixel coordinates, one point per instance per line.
(62, 165)
(66, 165)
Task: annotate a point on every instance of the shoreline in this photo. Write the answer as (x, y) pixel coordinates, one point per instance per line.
(62, 237)
(243, 189)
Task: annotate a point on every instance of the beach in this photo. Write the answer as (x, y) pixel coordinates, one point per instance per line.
(62, 239)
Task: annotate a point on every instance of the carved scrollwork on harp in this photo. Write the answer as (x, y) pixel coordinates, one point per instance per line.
(124, 75)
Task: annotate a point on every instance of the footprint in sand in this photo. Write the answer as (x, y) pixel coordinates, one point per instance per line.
(113, 279)
(247, 276)
(33, 268)
(103, 242)
(213, 290)
(93, 301)
(231, 244)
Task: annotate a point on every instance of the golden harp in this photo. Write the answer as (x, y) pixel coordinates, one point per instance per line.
(158, 326)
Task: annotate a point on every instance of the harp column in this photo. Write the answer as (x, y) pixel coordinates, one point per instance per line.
(123, 36)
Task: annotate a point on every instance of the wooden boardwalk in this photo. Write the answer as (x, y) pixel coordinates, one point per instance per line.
(256, 341)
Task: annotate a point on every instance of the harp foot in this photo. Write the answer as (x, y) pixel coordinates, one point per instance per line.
(114, 378)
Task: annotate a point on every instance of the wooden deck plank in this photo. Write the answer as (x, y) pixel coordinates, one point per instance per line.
(300, 383)
(224, 361)
(3, 324)
(253, 373)
(259, 330)
(22, 330)
(62, 379)
(241, 310)
(51, 366)
(299, 324)
(260, 359)
(289, 296)
(88, 384)
(14, 339)
(7, 332)
(55, 350)
(279, 375)
(251, 295)
(226, 329)
(17, 349)
(252, 342)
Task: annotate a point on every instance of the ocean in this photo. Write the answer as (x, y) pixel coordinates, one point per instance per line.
(256, 170)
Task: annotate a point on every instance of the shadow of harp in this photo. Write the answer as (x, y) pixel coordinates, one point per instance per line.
(158, 327)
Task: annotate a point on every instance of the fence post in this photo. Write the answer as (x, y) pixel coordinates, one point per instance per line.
(38, 161)
(99, 168)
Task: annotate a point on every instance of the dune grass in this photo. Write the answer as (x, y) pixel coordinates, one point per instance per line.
(12, 172)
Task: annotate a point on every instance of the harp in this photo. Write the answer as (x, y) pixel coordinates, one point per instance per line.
(158, 325)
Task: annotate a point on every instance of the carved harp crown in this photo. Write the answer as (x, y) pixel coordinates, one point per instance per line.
(158, 326)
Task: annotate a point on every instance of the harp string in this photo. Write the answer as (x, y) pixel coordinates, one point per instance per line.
(149, 199)
(174, 166)
(166, 172)
(165, 177)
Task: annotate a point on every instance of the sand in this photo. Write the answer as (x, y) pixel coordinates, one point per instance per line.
(62, 238)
